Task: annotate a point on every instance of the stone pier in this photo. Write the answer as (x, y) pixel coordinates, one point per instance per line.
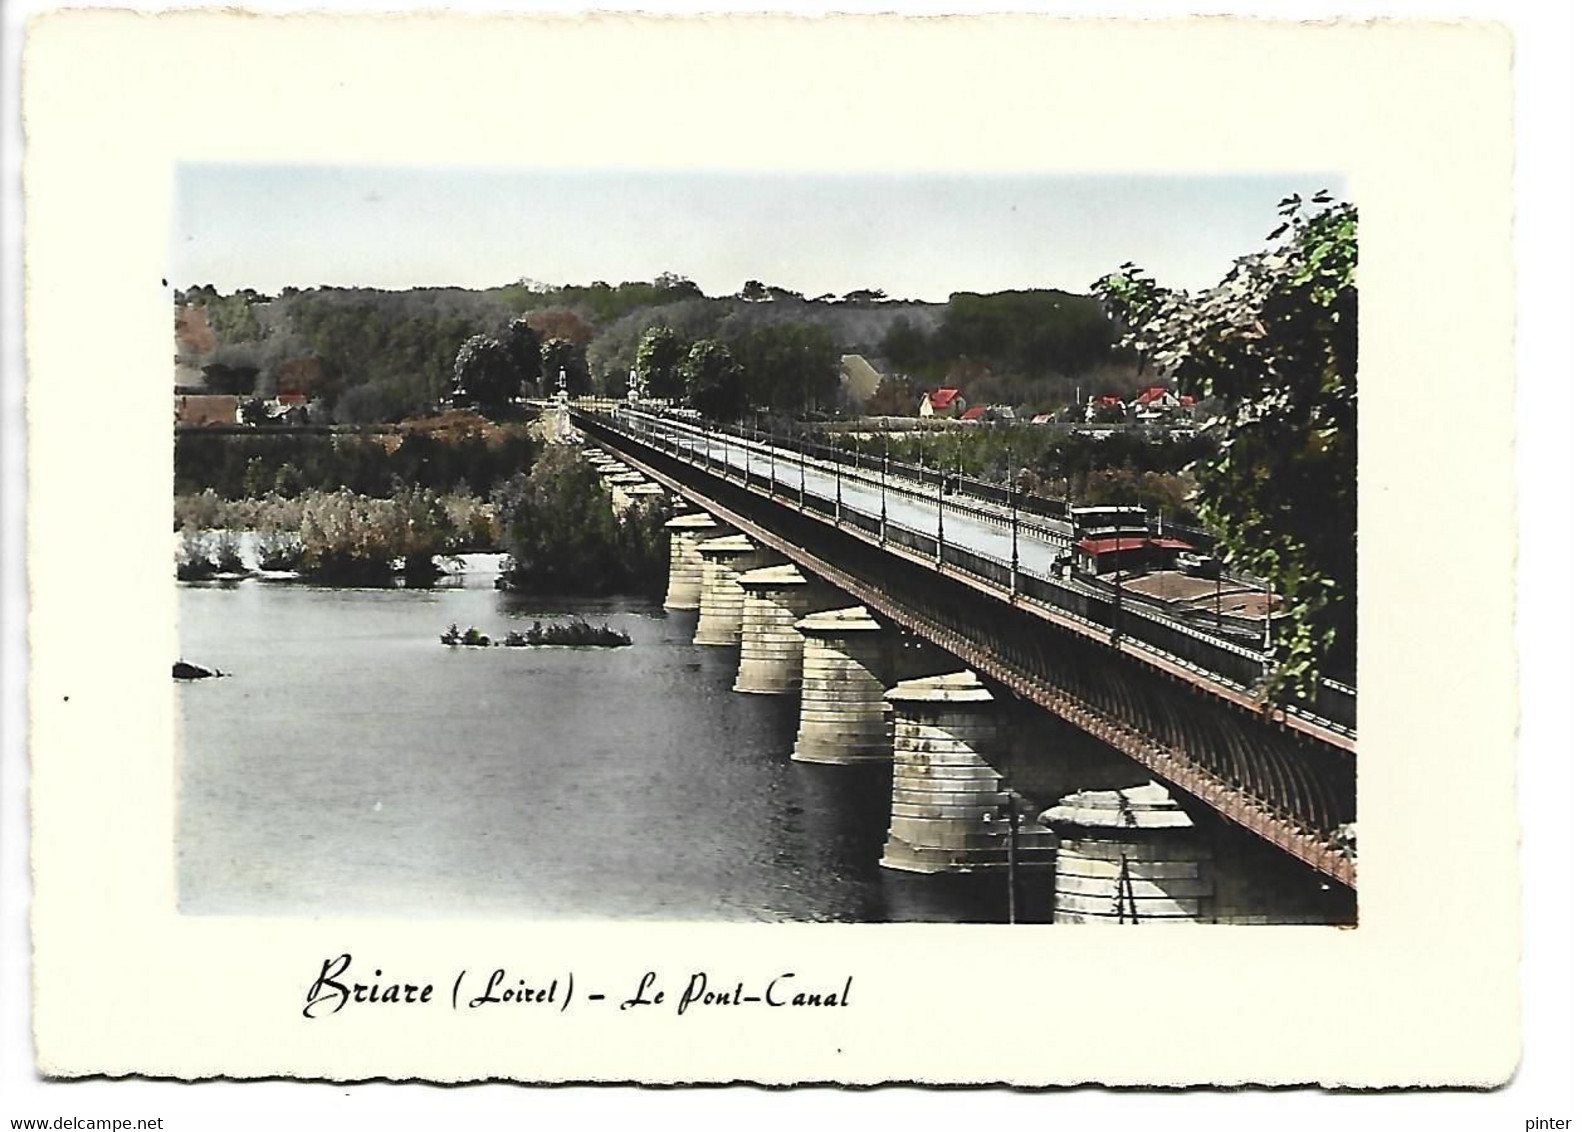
(946, 796)
(686, 564)
(848, 661)
(720, 603)
(1129, 856)
(626, 495)
(774, 598)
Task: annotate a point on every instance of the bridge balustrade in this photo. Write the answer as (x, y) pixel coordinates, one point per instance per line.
(1236, 665)
(860, 520)
(1288, 781)
(919, 480)
(1066, 599)
(820, 505)
(1197, 536)
(979, 565)
(1242, 667)
(959, 483)
(914, 540)
(1336, 702)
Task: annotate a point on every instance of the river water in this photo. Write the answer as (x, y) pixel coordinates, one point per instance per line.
(351, 764)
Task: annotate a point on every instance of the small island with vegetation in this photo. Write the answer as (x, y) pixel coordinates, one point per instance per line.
(576, 632)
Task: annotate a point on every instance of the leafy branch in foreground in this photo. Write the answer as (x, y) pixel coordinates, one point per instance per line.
(1275, 346)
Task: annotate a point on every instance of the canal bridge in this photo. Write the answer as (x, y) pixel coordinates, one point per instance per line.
(927, 620)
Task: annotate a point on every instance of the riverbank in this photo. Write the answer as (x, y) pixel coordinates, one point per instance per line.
(556, 525)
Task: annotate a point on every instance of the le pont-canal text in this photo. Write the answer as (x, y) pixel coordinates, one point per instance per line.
(341, 985)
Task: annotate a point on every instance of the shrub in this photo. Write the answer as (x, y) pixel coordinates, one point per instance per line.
(226, 553)
(279, 550)
(192, 556)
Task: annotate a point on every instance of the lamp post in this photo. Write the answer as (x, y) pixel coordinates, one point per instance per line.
(835, 452)
(772, 456)
(801, 459)
(939, 537)
(1268, 616)
(747, 453)
(1219, 574)
(884, 483)
(1115, 568)
(1010, 498)
(1009, 810)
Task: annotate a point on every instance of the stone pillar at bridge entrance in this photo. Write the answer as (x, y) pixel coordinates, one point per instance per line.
(686, 564)
(1129, 856)
(773, 598)
(848, 661)
(947, 802)
(720, 604)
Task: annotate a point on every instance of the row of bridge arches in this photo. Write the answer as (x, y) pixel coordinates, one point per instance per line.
(981, 779)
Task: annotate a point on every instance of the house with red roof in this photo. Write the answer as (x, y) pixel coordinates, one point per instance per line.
(973, 414)
(942, 402)
(1157, 402)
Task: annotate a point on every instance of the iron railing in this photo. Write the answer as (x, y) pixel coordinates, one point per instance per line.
(1142, 619)
(1288, 779)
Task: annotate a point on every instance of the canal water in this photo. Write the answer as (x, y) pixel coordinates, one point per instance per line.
(351, 764)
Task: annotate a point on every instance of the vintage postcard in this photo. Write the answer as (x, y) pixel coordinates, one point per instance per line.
(772, 550)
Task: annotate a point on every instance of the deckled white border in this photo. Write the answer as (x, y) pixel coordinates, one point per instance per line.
(102, 818)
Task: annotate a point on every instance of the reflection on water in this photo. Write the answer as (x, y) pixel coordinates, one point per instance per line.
(352, 764)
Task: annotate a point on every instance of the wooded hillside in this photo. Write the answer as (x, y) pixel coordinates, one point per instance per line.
(369, 356)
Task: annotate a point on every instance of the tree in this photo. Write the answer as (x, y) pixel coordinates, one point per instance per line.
(680, 284)
(485, 373)
(238, 380)
(558, 527)
(560, 356)
(895, 397)
(788, 365)
(714, 380)
(557, 322)
(1276, 343)
(658, 363)
(905, 345)
(1029, 332)
(753, 291)
(524, 345)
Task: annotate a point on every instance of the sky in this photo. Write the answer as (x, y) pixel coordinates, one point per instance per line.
(917, 236)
